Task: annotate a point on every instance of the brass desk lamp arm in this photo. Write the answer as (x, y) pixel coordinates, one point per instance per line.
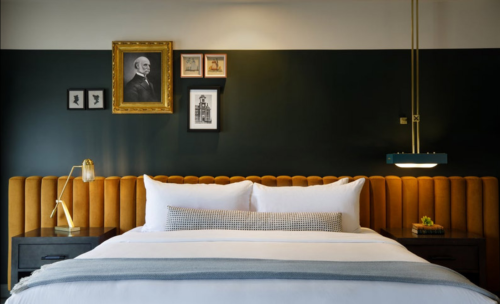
(64, 188)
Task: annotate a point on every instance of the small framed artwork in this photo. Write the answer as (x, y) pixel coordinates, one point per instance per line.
(215, 65)
(95, 99)
(76, 99)
(204, 109)
(191, 65)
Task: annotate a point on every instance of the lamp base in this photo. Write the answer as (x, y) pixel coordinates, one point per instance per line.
(66, 228)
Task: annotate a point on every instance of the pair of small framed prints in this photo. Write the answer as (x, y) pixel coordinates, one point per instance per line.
(81, 99)
(193, 66)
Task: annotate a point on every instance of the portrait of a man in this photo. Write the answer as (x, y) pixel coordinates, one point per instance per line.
(141, 77)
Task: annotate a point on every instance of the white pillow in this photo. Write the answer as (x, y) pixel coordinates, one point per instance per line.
(334, 197)
(198, 196)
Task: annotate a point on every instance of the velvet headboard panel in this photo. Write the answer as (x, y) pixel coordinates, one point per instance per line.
(463, 203)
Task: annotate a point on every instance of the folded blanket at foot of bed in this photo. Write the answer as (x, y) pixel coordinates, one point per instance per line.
(243, 269)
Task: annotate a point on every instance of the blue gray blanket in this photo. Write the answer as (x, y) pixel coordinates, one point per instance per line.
(244, 269)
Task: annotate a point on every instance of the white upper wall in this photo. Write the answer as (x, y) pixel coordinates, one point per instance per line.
(233, 24)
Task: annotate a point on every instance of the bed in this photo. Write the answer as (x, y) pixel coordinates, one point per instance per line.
(282, 245)
(299, 247)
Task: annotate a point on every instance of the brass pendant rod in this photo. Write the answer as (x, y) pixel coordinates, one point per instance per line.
(418, 91)
(415, 105)
(412, 83)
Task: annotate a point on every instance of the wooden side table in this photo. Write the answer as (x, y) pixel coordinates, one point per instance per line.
(461, 251)
(33, 249)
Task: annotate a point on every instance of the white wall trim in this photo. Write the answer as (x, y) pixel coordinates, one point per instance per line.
(248, 25)
(4, 292)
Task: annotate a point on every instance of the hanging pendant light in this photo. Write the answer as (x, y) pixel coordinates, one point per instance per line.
(415, 159)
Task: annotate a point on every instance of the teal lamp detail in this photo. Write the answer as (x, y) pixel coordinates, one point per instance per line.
(415, 159)
(87, 176)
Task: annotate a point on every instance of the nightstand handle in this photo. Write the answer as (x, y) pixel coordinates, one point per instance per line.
(442, 258)
(54, 257)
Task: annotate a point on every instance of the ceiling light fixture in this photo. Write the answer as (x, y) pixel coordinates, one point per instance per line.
(415, 159)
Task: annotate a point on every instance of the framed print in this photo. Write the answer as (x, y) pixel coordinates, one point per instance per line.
(142, 77)
(95, 99)
(204, 109)
(191, 65)
(215, 65)
(76, 99)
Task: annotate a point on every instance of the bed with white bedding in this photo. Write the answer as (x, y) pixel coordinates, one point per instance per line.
(366, 246)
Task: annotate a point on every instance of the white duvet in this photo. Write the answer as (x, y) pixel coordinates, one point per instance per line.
(323, 246)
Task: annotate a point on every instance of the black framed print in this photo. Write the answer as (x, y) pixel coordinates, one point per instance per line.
(204, 109)
(95, 99)
(76, 99)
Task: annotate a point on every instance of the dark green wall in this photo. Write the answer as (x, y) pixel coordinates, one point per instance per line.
(283, 113)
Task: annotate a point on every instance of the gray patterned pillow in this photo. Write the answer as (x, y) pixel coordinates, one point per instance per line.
(197, 219)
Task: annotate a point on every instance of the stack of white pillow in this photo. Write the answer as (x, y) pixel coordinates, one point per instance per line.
(340, 196)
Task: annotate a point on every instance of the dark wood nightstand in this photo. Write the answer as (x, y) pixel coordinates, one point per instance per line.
(43, 246)
(461, 251)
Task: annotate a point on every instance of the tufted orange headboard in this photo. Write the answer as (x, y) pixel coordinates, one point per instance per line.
(464, 203)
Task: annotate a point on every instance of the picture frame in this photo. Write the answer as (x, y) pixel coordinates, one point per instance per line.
(76, 99)
(204, 109)
(142, 77)
(191, 65)
(215, 65)
(95, 99)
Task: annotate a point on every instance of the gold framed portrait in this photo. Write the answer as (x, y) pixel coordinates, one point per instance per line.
(142, 77)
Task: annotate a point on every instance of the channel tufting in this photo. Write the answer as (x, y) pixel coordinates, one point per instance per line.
(464, 203)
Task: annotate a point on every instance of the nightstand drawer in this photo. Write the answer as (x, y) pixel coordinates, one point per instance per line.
(36, 255)
(461, 258)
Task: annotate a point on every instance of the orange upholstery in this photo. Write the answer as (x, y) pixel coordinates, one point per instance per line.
(394, 206)
(48, 194)
(463, 203)
(16, 211)
(96, 203)
(442, 201)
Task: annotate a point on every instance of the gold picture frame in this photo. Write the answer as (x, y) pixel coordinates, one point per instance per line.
(142, 77)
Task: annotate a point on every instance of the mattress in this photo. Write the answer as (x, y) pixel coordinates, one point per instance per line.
(278, 245)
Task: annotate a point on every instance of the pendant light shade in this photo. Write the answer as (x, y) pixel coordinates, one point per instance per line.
(413, 160)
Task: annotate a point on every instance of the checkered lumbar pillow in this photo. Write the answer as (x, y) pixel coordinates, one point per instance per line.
(197, 219)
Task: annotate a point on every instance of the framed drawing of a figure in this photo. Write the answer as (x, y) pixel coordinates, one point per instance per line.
(215, 65)
(204, 109)
(76, 99)
(191, 66)
(142, 77)
(95, 99)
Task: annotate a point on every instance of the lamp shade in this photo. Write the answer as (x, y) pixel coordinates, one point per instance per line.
(412, 160)
(88, 174)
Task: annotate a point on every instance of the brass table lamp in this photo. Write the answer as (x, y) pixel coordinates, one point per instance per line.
(87, 176)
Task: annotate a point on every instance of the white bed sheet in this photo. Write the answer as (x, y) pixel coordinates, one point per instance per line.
(324, 246)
